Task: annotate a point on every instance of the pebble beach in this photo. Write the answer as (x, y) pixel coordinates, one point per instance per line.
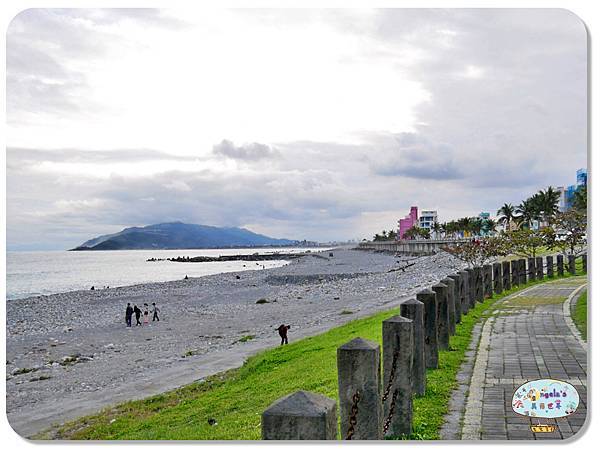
(70, 354)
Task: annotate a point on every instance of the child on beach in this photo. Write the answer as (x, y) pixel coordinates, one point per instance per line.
(137, 311)
(145, 313)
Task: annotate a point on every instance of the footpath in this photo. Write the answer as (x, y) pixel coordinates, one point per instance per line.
(529, 336)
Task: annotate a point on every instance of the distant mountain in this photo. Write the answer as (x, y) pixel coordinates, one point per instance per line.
(179, 235)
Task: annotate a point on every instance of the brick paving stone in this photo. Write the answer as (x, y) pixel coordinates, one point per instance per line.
(527, 341)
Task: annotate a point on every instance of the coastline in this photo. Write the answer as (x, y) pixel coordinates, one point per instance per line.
(202, 322)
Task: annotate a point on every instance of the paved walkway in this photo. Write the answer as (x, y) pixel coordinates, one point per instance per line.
(528, 337)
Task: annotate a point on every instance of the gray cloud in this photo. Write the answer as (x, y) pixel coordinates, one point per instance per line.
(251, 151)
(512, 124)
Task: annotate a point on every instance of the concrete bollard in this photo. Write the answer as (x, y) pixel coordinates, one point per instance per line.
(539, 267)
(550, 266)
(359, 383)
(497, 277)
(427, 297)
(441, 292)
(472, 286)
(479, 284)
(571, 262)
(584, 263)
(398, 346)
(531, 273)
(522, 272)
(514, 268)
(487, 281)
(302, 415)
(560, 265)
(464, 299)
(506, 285)
(457, 298)
(449, 282)
(414, 310)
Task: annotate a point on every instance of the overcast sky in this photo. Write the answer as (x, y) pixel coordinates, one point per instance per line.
(301, 124)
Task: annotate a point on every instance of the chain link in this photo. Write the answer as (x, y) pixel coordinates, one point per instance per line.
(353, 414)
(388, 421)
(392, 375)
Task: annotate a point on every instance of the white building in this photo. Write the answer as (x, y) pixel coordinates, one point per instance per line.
(427, 219)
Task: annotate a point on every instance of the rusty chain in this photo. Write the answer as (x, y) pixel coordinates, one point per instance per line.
(388, 421)
(392, 375)
(353, 414)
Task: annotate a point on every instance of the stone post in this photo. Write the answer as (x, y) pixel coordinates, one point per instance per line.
(457, 297)
(466, 291)
(359, 384)
(487, 281)
(522, 272)
(560, 265)
(584, 262)
(441, 291)
(472, 285)
(571, 261)
(550, 266)
(300, 416)
(506, 285)
(479, 284)
(414, 310)
(515, 267)
(531, 273)
(398, 349)
(427, 297)
(498, 281)
(539, 267)
(449, 282)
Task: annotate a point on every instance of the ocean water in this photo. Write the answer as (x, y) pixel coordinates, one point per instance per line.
(31, 273)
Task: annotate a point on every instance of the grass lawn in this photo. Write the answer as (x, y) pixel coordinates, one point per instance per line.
(235, 399)
(579, 314)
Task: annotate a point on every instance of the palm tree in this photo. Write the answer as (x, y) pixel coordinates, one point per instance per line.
(548, 201)
(476, 225)
(436, 228)
(580, 198)
(527, 211)
(506, 215)
(463, 224)
(489, 226)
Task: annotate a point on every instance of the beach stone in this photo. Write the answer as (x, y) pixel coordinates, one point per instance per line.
(428, 298)
(449, 282)
(550, 266)
(359, 381)
(584, 262)
(487, 281)
(414, 310)
(457, 297)
(466, 291)
(506, 285)
(531, 273)
(560, 265)
(497, 278)
(302, 415)
(441, 291)
(398, 346)
(571, 261)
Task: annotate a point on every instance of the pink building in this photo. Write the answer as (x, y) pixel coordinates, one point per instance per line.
(408, 221)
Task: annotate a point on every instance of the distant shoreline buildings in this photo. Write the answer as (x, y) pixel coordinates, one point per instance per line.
(426, 221)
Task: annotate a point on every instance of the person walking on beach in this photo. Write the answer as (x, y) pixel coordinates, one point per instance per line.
(155, 312)
(145, 313)
(283, 329)
(138, 312)
(128, 314)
